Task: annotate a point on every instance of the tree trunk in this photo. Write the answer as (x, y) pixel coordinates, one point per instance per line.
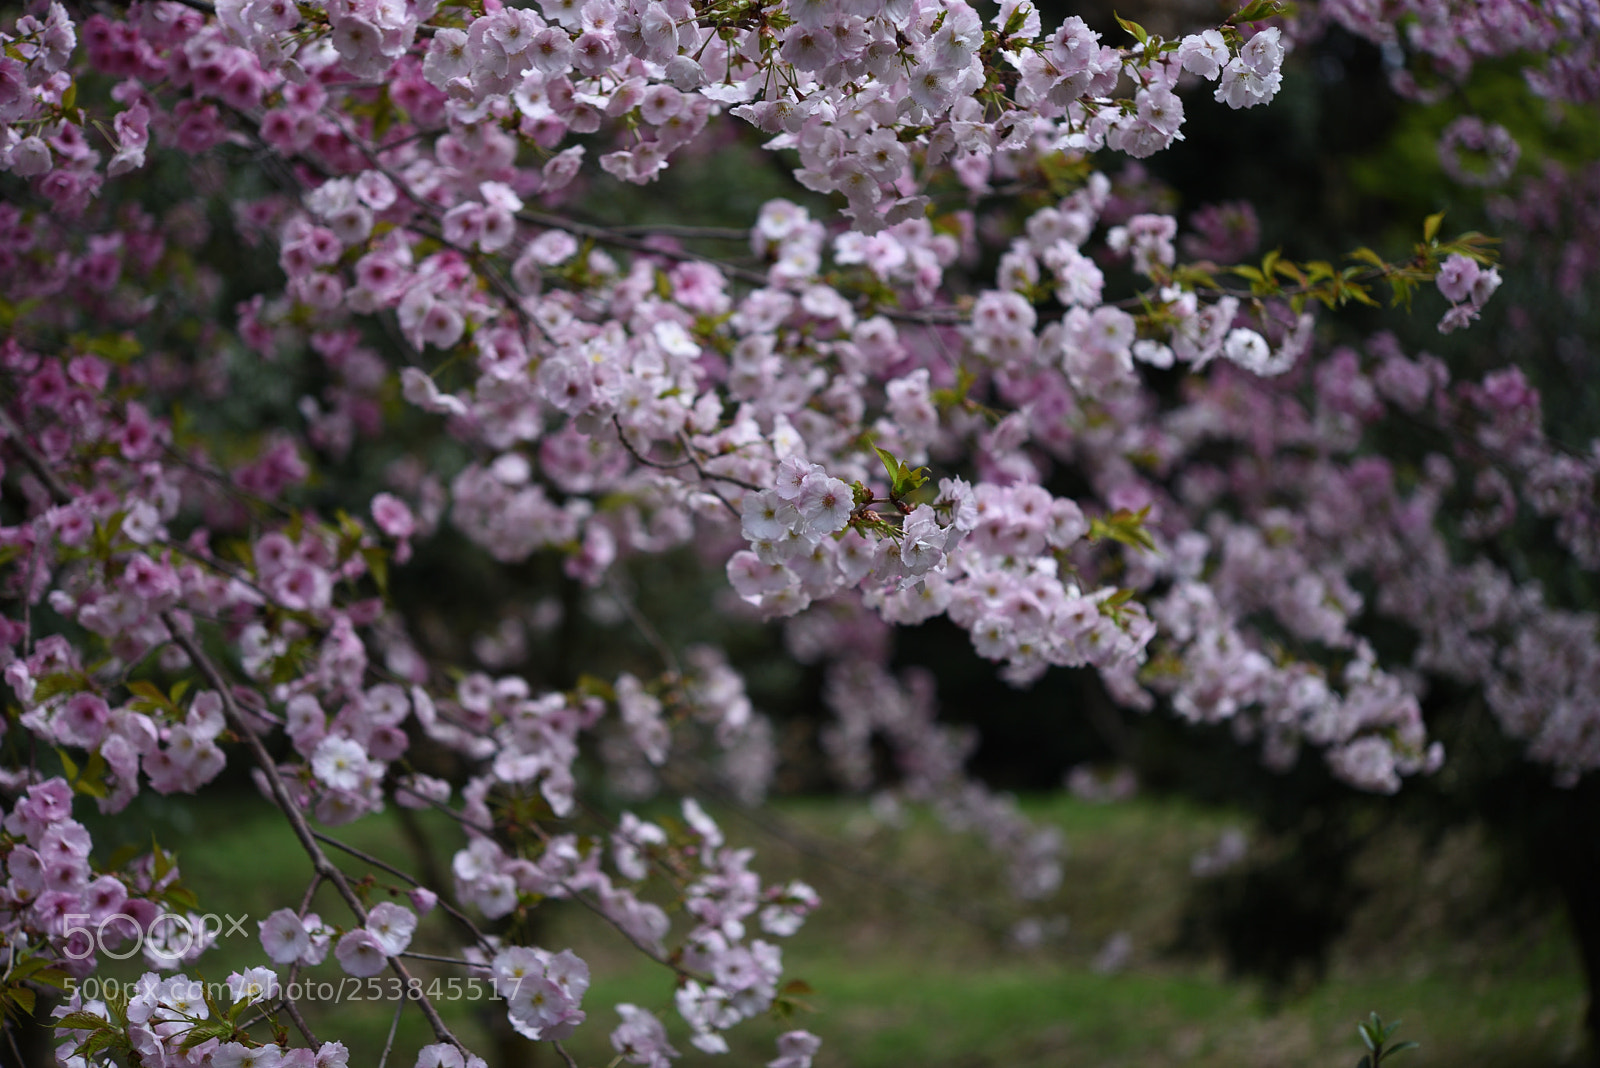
(1573, 854)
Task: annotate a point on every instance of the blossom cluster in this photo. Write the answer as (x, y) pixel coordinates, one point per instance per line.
(1310, 524)
(54, 895)
(1557, 43)
(158, 1023)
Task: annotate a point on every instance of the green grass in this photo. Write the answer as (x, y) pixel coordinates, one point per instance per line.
(910, 964)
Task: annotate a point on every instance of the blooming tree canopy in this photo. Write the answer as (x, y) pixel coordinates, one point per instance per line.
(868, 421)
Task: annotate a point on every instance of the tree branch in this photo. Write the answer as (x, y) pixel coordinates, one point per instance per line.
(297, 821)
(34, 461)
(444, 906)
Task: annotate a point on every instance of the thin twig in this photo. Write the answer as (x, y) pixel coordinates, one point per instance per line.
(393, 1027)
(674, 877)
(443, 905)
(299, 1021)
(221, 567)
(938, 315)
(406, 139)
(364, 857)
(689, 450)
(457, 961)
(610, 236)
(641, 457)
(35, 462)
(690, 462)
(709, 233)
(487, 832)
(11, 1038)
(229, 484)
(291, 811)
(646, 628)
(647, 950)
(311, 892)
(58, 491)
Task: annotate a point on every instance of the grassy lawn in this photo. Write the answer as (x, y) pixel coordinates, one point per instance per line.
(911, 963)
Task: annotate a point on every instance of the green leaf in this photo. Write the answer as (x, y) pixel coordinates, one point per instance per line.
(56, 684)
(1471, 244)
(1134, 29)
(903, 478)
(1018, 17)
(1366, 255)
(1124, 527)
(1430, 226)
(594, 686)
(92, 782)
(1255, 12)
(161, 859)
(238, 550)
(1403, 288)
(80, 1021)
(890, 464)
(385, 117)
(909, 479)
(1291, 271)
(107, 1039)
(149, 691)
(208, 1030)
(26, 968)
(378, 563)
(181, 897)
(52, 977)
(1358, 293)
(1062, 173)
(23, 998)
(118, 348)
(1190, 275)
